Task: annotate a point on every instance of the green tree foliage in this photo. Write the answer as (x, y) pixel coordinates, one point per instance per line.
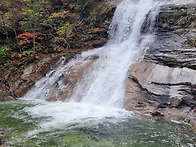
(33, 11)
(62, 23)
(5, 19)
(3, 53)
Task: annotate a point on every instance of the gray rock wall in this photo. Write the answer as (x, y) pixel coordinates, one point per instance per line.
(163, 84)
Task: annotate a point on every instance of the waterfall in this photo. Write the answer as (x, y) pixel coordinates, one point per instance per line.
(106, 80)
(104, 84)
(99, 93)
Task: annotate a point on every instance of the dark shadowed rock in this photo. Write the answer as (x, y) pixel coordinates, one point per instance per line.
(99, 44)
(2, 137)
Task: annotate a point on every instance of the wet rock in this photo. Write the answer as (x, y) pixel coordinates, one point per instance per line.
(31, 74)
(175, 101)
(163, 84)
(173, 45)
(21, 87)
(157, 114)
(92, 57)
(99, 43)
(114, 3)
(8, 98)
(2, 137)
(163, 88)
(70, 79)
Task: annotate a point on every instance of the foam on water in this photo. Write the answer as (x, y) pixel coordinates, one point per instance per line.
(180, 2)
(62, 115)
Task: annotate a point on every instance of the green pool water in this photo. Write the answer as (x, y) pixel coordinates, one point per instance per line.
(130, 132)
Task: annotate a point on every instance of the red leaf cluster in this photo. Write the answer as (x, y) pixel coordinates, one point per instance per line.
(27, 37)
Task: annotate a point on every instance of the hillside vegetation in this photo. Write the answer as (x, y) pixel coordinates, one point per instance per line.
(31, 30)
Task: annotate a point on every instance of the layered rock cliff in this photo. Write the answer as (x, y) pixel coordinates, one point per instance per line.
(163, 83)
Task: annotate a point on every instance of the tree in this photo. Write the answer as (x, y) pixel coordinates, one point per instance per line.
(9, 20)
(5, 19)
(33, 10)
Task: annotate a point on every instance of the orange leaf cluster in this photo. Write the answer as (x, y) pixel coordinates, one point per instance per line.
(27, 37)
(61, 14)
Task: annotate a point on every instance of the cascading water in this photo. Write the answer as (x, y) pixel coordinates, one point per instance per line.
(107, 78)
(92, 114)
(100, 93)
(104, 84)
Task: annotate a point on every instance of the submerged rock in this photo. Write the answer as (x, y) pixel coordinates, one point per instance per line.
(2, 137)
(163, 84)
(8, 98)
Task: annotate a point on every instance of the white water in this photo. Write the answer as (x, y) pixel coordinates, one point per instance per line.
(100, 94)
(180, 2)
(106, 80)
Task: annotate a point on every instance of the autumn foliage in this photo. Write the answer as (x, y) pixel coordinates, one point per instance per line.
(26, 38)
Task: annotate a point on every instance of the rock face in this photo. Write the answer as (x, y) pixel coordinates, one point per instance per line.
(31, 74)
(163, 84)
(71, 78)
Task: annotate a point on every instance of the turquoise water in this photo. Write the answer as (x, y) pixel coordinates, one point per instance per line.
(129, 132)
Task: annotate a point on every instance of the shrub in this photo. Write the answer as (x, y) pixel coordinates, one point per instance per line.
(27, 38)
(3, 53)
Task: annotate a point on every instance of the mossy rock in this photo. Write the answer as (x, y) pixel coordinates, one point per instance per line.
(3, 96)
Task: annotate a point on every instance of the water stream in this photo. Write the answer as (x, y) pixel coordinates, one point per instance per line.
(93, 114)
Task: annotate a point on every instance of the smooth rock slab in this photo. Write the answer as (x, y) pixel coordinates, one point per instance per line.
(156, 90)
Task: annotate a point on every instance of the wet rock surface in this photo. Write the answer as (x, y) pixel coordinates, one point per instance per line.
(31, 74)
(71, 78)
(163, 84)
(2, 137)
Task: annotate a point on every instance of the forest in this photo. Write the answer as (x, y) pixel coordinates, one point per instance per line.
(33, 29)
